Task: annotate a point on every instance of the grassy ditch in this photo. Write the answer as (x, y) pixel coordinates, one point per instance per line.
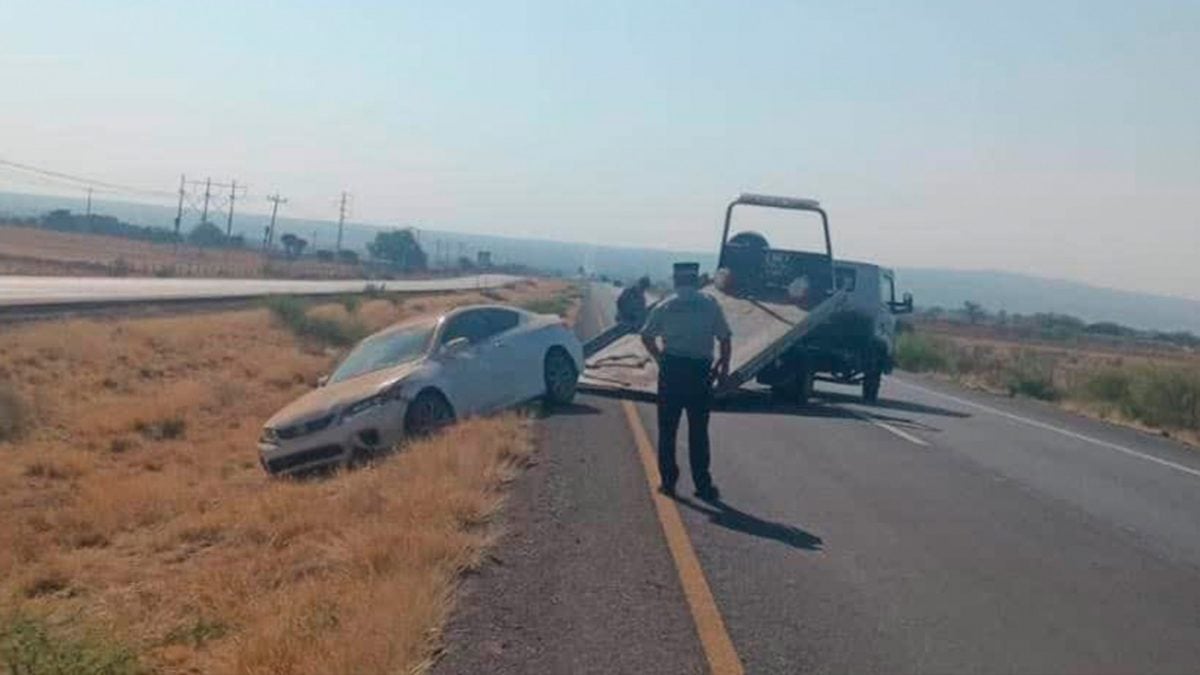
(139, 532)
(1155, 393)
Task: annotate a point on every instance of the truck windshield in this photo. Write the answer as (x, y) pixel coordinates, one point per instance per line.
(386, 350)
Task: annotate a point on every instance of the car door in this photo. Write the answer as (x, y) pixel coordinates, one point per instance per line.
(469, 374)
(514, 361)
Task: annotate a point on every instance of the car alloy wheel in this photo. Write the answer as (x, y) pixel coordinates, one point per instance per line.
(561, 377)
(428, 412)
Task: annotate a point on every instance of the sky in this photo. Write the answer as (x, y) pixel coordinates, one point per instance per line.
(1060, 139)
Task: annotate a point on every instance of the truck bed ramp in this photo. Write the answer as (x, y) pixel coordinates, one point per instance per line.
(762, 331)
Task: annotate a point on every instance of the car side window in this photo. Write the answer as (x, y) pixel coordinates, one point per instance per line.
(501, 320)
(470, 325)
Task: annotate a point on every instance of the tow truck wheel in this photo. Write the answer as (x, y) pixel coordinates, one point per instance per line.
(798, 388)
(870, 386)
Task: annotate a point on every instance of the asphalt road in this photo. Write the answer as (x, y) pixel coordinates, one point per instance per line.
(940, 531)
(32, 290)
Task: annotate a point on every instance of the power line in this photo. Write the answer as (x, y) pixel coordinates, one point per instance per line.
(81, 181)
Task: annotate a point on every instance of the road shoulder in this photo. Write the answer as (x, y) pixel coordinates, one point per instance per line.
(581, 580)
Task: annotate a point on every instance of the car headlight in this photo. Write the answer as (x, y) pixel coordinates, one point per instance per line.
(370, 402)
(269, 435)
(360, 407)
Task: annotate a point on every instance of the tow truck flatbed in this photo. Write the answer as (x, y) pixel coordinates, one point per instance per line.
(762, 331)
(772, 298)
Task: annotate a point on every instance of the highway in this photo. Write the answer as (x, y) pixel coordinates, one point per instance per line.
(940, 531)
(18, 291)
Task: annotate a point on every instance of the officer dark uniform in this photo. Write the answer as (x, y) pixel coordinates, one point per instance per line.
(687, 322)
(631, 304)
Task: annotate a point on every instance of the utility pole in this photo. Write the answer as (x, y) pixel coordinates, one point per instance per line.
(229, 220)
(275, 200)
(207, 194)
(341, 221)
(89, 205)
(179, 211)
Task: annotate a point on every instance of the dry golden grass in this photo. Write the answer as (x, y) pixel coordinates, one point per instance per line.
(27, 250)
(1153, 389)
(133, 502)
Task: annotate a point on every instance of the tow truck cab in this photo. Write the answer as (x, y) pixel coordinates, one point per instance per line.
(858, 344)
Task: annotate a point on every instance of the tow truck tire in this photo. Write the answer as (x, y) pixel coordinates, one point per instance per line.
(870, 386)
(798, 388)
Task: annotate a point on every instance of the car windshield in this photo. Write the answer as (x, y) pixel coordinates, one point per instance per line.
(384, 351)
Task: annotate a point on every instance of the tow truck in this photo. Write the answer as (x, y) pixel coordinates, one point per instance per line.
(772, 298)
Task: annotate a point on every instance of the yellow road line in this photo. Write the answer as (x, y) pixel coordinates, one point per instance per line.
(718, 648)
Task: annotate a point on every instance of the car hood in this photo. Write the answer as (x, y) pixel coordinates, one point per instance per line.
(332, 398)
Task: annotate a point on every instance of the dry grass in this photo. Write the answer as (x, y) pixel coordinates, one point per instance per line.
(1151, 389)
(133, 506)
(27, 250)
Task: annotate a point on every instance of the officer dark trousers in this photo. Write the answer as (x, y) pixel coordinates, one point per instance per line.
(683, 384)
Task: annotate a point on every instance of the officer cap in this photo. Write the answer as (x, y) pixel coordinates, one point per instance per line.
(685, 269)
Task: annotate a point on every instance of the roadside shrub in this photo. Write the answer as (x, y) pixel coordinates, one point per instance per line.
(293, 314)
(1167, 398)
(14, 413)
(921, 353)
(1033, 376)
(351, 303)
(1109, 386)
(27, 645)
(288, 310)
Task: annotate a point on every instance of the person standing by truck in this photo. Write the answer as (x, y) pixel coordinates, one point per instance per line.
(631, 304)
(687, 323)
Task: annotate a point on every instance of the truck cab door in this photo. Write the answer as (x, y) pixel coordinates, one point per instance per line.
(885, 322)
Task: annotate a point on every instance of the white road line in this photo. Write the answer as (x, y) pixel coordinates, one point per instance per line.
(887, 427)
(1050, 427)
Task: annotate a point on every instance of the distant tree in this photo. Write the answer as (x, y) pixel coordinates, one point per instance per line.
(325, 256)
(401, 248)
(347, 256)
(293, 246)
(206, 234)
(974, 312)
(465, 263)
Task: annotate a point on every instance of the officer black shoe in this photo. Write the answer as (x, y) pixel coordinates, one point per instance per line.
(708, 493)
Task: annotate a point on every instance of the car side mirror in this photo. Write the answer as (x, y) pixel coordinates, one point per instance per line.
(456, 346)
(903, 307)
(322, 381)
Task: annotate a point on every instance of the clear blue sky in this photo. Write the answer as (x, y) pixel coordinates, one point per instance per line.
(1056, 138)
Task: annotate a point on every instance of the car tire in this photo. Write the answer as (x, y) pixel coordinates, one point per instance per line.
(872, 379)
(560, 376)
(429, 412)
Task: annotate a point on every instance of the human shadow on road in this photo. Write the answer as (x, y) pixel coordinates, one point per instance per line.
(722, 514)
(821, 406)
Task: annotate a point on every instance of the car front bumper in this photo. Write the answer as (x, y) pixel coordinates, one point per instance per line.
(374, 430)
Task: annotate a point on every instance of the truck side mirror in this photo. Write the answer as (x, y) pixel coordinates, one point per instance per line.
(903, 307)
(322, 381)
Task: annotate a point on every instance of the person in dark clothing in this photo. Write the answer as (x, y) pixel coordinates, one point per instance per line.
(687, 323)
(631, 304)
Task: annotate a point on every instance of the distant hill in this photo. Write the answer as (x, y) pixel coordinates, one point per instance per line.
(1015, 293)
(1023, 294)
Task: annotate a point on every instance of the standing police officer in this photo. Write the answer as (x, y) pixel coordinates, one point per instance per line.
(687, 322)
